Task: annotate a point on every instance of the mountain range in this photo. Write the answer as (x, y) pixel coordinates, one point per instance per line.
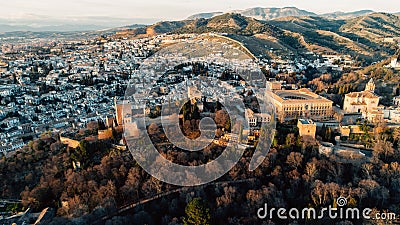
(361, 36)
(40, 23)
(274, 13)
(289, 30)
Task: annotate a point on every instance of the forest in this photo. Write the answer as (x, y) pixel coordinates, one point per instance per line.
(294, 175)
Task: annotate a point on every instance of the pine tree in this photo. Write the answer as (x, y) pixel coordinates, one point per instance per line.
(197, 213)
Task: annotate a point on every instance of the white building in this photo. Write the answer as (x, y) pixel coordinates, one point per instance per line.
(395, 63)
(255, 119)
(396, 101)
(365, 102)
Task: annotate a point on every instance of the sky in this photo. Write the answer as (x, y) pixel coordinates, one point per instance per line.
(151, 11)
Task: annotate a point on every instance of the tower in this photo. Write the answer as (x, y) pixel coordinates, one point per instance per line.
(370, 86)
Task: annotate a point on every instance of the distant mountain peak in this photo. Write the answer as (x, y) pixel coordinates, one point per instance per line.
(204, 15)
(260, 13)
(347, 15)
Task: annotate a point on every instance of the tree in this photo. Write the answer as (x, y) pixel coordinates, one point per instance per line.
(83, 147)
(311, 170)
(190, 111)
(197, 213)
(396, 134)
(153, 129)
(290, 139)
(367, 168)
(294, 159)
(326, 133)
(383, 149)
(223, 120)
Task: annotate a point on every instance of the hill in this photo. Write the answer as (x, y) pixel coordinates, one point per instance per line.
(259, 13)
(155, 29)
(320, 34)
(228, 23)
(374, 26)
(273, 13)
(360, 37)
(165, 27)
(346, 15)
(204, 15)
(276, 13)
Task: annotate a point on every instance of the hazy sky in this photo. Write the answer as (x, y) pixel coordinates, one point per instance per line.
(172, 9)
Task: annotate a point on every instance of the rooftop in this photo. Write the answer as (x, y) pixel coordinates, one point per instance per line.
(301, 95)
(362, 94)
(306, 122)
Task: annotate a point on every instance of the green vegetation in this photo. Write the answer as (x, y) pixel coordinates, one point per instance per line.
(360, 37)
(197, 213)
(228, 23)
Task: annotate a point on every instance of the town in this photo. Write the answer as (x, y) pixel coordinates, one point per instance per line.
(62, 87)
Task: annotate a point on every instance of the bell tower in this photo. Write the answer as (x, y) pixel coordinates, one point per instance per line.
(370, 86)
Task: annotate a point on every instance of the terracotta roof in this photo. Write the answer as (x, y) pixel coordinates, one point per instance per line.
(362, 94)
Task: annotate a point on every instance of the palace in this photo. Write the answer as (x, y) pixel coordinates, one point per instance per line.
(300, 104)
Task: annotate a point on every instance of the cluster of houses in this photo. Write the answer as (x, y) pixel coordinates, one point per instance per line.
(63, 85)
(323, 63)
(166, 89)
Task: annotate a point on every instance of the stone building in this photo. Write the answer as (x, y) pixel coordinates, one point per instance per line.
(105, 134)
(301, 104)
(274, 85)
(122, 108)
(365, 102)
(307, 128)
(256, 119)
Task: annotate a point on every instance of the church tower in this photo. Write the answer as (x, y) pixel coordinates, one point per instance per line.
(370, 86)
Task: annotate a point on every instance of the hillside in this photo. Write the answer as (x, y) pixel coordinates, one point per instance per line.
(228, 23)
(307, 22)
(346, 15)
(273, 13)
(165, 27)
(360, 37)
(374, 26)
(259, 13)
(155, 29)
(276, 13)
(319, 34)
(204, 15)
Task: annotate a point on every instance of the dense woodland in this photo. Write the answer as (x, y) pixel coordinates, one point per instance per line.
(293, 175)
